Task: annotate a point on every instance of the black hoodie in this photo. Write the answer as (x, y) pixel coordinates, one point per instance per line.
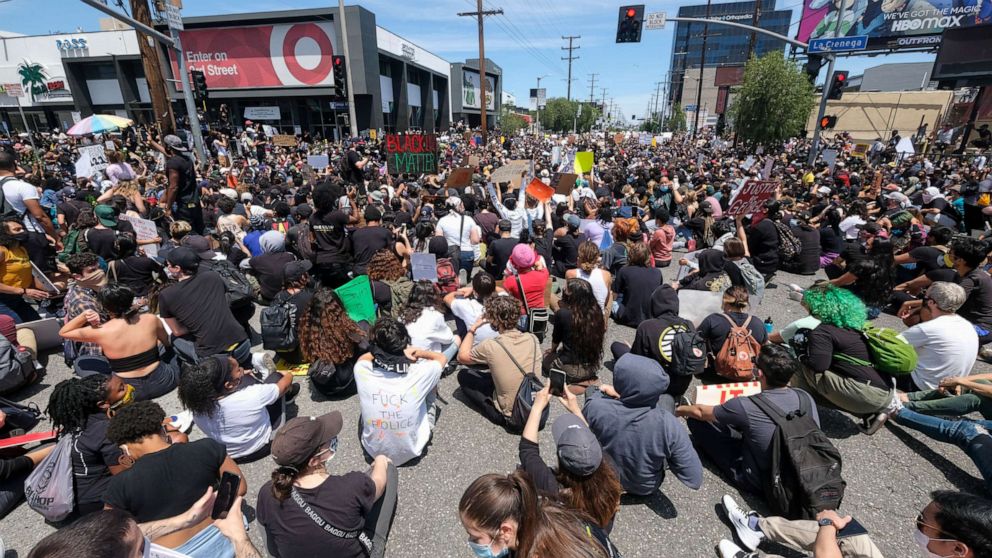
(654, 337)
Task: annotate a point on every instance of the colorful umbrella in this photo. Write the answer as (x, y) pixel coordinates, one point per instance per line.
(99, 123)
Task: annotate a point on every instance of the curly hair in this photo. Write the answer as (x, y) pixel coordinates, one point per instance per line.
(423, 295)
(385, 266)
(74, 400)
(835, 305)
(78, 262)
(201, 385)
(326, 331)
(134, 422)
(588, 322)
(503, 312)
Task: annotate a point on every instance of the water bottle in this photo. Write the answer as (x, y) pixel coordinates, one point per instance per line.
(769, 325)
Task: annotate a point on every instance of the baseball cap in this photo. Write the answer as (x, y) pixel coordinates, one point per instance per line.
(294, 271)
(930, 193)
(199, 245)
(453, 201)
(823, 191)
(891, 187)
(303, 210)
(504, 225)
(954, 188)
(523, 256)
(898, 196)
(173, 141)
(106, 214)
(579, 451)
(229, 192)
(300, 438)
(184, 258)
(572, 220)
(246, 196)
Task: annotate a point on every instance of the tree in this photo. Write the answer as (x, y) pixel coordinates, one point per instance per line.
(774, 102)
(33, 78)
(559, 115)
(676, 120)
(510, 122)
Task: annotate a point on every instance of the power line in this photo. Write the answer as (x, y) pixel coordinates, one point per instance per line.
(592, 86)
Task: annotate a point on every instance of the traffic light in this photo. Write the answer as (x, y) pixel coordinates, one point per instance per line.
(837, 83)
(828, 122)
(199, 80)
(812, 67)
(340, 75)
(629, 24)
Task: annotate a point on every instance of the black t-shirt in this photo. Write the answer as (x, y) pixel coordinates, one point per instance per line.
(500, 250)
(366, 241)
(853, 253)
(401, 218)
(654, 337)
(762, 242)
(715, 329)
(200, 305)
(827, 340)
(187, 192)
(636, 284)
(352, 173)
(830, 240)
(166, 483)
(809, 258)
(135, 272)
(565, 252)
(977, 308)
(269, 270)
(330, 237)
(928, 258)
(92, 456)
(382, 295)
(102, 242)
(342, 501)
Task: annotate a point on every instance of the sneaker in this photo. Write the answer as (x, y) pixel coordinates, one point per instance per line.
(985, 353)
(871, 424)
(292, 392)
(738, 517)
(895, 402)
(263, 364)
(728, 549)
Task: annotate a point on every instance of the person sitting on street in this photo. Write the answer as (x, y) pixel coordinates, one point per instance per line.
(633, 286)
(303, 486)
(716, 328)
(466, 305)
(397, 385)
(88, 278)
(233, 406)
(633, 421)
(577, 339)
(331, 342)
(946, 344)
(956, 396)
(424, 320)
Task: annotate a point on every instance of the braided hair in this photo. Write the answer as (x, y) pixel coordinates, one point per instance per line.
(74, 400)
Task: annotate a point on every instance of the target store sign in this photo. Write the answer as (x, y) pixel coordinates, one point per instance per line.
(283, 55)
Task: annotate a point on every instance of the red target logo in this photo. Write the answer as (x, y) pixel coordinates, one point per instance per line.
(301, 53)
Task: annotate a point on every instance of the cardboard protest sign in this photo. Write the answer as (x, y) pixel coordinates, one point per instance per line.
(473, 161)
(563, 182)
(145, 230)
(748, 163)
(696, 305)
(356, 297)
(318, 162)
(539, 190)
(510, 172)
(284, 140)
(411, 153)
(373, 135)
(830, 158)
(584, 161)
(92, 158)
(719, 394)
(424, 267)
(459, 178)
(751, 197)
(860, 150)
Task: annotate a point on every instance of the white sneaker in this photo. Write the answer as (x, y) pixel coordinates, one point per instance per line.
(739, 519)
(728, 549)
(895, 404)
(263, 363)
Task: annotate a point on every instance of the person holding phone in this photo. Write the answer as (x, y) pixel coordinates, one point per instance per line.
(583, 480)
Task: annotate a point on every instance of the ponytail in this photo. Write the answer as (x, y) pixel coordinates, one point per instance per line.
(282, 481)
(493, 499)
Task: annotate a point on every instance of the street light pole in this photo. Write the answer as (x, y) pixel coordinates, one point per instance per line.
(814, 147)
(537, 103)
(352, 120)
(702, 66)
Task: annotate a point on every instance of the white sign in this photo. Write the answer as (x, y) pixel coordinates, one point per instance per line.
(91, 159)
(71, 44)
(262, 113)
(144, 230)
(174, 18)
(719, 394)
(655, 20)
(12, 89)
(830, 158)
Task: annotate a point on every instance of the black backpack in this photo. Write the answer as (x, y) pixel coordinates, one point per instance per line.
(805, 477)
(688, 350)
(237, 288)
(789, 246)
(278, 322)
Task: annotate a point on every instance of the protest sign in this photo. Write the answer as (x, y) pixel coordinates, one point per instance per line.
(91, 159)
(373, 135)
(473, 161)
(696, 305)
(284, 140)
(318, 162)
(766, 173)
(144, 230)
(748, 163)
(424, 267)
(111, 146)
(411, 153)
(510, 172)
(43, 280)
(356, 297)
(459, 178)
(556, 155)
(618, 138)
(584, 161)
(751, 197)
(563, 182)
(860, 150)
(539, 190)
(719, 394)
(830, 158)
(645, 139)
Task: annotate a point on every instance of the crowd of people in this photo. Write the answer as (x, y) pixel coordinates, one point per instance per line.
(156, 267)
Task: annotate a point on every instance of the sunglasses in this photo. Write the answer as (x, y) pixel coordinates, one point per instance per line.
(943, 535)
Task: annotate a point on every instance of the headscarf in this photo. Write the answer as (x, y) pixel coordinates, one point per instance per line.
(272, 242)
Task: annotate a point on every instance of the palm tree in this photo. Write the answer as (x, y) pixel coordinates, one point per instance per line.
(33, 77)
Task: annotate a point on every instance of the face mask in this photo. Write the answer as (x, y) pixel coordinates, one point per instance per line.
(94, 281)
(924, 541)
(486, 550)
(126, 400)
(20, 237)
(948, 260)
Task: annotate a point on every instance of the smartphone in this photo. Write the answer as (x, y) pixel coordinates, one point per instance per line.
(403, 229)
(557, 382)
(227, 492)
(852, 529)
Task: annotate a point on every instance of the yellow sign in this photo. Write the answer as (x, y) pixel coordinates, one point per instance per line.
(860, 150)
(584, 161)
(373, 135)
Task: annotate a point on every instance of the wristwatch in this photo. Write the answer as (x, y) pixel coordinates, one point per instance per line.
(824, 522)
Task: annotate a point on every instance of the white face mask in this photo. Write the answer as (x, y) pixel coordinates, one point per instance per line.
(924, 541)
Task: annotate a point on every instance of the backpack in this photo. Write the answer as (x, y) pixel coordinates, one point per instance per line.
(237, 288)
(303, 245)
(447, 277)
(789, 247)
(73, 243)
(7, 211)
(50, 488)
(687, 350)
(737, 357)
(330, 379)
(524, 400)
(16, 367)
(889, 350)
(805, 476)
(753, 279)
(278, 323)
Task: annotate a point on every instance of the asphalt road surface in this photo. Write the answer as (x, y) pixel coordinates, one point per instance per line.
(889, 475)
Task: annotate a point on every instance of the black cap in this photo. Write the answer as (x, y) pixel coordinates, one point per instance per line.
(505, 225)
(302, 210)
(200, 245)
(294, 271)
(184, 258)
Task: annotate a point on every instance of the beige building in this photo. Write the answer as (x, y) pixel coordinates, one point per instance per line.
(867, 116)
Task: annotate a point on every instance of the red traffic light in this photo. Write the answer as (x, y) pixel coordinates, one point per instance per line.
(825, 121)
(338, 60)
(631, 12)
(841, 77)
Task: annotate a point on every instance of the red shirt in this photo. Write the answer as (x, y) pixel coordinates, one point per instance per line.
(533, 282)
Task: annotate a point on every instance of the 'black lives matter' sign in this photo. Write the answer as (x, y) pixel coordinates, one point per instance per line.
(411, 153)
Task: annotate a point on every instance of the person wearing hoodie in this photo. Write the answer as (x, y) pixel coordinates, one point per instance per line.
(653, 338)
(711, 275)
(633, 421)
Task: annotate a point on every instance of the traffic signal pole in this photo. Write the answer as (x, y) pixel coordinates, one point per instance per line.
(815, 146)
(194, 118)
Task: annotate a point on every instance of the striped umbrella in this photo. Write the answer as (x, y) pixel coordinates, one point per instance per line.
(99, 123)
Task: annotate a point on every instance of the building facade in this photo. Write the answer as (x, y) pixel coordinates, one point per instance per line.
(466, 98)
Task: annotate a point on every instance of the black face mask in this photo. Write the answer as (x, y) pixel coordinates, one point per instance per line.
(20, 237)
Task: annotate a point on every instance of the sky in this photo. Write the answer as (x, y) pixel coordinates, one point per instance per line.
(525, 41)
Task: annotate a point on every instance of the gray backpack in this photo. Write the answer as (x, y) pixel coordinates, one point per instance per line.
(16, 367)
(50, 488)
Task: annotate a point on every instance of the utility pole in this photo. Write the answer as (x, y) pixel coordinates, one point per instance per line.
(592, 87)
(752, 43)
(480, 15)
(537, 102)
(153, 69)
(702, 66)
(569, 48)
(814, 147)
(657, 95)
(352, 120)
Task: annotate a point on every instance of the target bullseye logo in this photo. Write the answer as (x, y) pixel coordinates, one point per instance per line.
(301, 53)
